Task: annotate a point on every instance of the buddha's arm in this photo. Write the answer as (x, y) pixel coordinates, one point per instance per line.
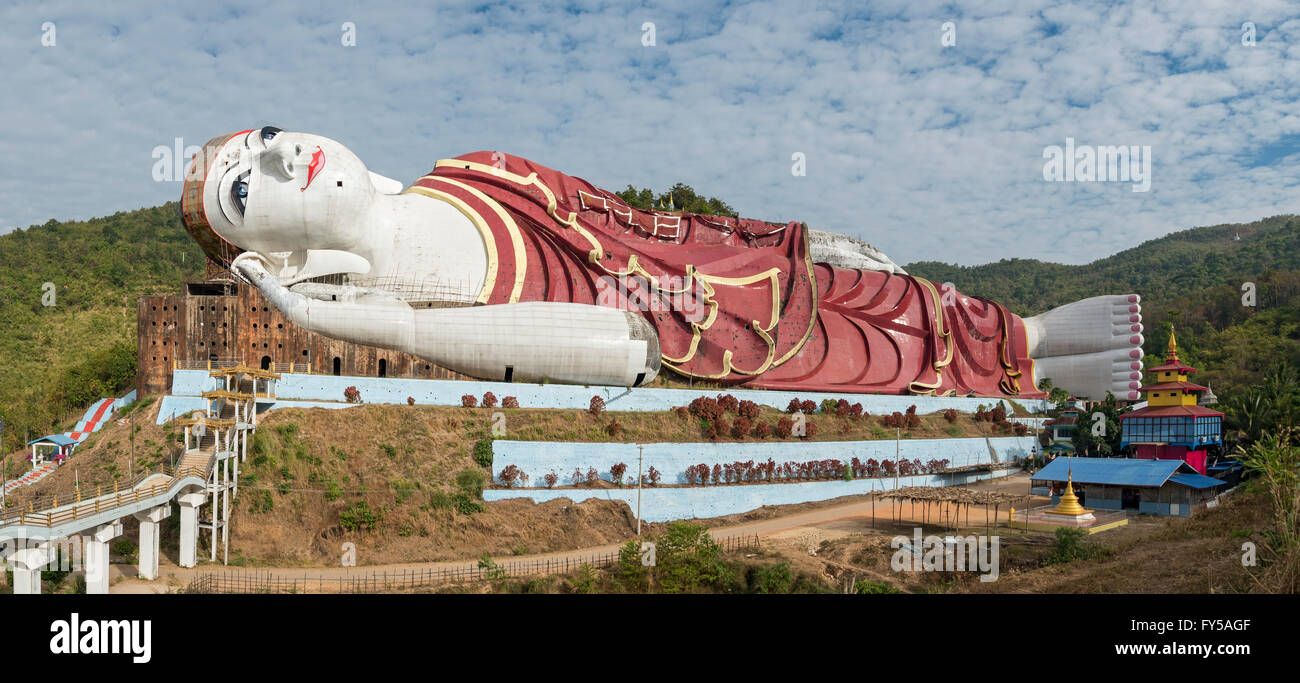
(561, 342)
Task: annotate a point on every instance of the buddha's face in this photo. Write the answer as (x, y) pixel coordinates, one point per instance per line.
(268, 190)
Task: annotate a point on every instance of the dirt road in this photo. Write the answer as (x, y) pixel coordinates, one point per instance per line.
(811, 527)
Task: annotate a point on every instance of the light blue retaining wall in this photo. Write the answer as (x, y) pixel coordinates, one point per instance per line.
(536, 458)
(660, 504)
(448, 392)
(183, 405)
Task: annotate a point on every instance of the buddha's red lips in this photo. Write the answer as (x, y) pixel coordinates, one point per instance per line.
(313, 169)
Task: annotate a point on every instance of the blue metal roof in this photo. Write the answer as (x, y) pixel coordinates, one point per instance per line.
(1112, 471)
(1196, 481)
(57, 439)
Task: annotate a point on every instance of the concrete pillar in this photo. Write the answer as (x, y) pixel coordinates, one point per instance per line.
(94, 555)
(190, 503)
(149, 537)
(27, 564)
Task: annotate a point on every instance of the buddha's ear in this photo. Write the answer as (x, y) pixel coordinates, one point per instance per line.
(385, 185)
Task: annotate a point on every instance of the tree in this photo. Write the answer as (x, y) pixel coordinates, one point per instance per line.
(1106, 444)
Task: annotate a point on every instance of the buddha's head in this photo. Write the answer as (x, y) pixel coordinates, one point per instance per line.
(268, 190)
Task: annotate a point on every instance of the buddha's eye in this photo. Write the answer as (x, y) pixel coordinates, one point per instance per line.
(239, 192)
(269, 133)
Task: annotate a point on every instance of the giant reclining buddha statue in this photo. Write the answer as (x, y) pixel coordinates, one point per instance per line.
(503, 269)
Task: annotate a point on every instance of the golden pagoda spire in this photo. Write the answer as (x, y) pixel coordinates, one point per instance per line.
(1171, 355)
(1069, 504)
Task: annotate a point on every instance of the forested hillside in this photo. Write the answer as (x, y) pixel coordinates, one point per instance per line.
(1191, 279)
(67, 310)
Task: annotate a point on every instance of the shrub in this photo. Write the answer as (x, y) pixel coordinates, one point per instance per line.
(468, 401)
(483, 452)
(810, 429)
(614, 429)
(761, 430)
(950, 414)
(489, 400)
(706, 408)
(794, 406)
(592, 475)
(510, 402)
(1070, 545)
(783, 427)
(550, 478)
(410, 400)
(577, 477)
(511, 474)
(471, 481)
(352, 394)
(998, 414)
(466, 505)
(616, 473)
(654, 476)
(865, 587)
(717, 474)
(682, 412)
(1021, 430)
(740, 428)
(389, 450)
(692, 475)
(718, 429)
(728, 403)
(808, 407)
(828, 406)
(689, 560)
(631, 573)
(597, 405)
(359, 517)
(748, 410)
(772, 579)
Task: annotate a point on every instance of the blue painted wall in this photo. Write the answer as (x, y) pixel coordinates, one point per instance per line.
(297, 386)
(536, 458)
(660, 504)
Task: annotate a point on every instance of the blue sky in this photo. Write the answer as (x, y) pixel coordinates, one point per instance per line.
(925, 150)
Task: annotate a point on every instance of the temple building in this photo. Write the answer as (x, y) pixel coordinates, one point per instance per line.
(1173, 425)
(220, 322)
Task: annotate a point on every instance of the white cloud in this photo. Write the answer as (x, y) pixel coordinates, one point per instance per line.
(927, 152)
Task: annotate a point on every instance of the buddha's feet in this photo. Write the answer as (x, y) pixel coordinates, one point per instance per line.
(1090, 347)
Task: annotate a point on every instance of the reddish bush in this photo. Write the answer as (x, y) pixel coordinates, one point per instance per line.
(410, 401)
(489, 400)
(511, 474)
(911, 420)
(888, 467)
(843, 408)
(1021, 430)
(740, 428)
(998, 414)
(808, 407)
(718, 429)
(352, 394)
(783, 427)
(578, 477)
(950, 414)
(550, 478)
(614, 429)
(692, 474)
(748, 409)
(592, 475)
(794, 406)
(597, 405)
(706, 408)
(717, 474)
(654, 476)
(810, 430)
(728, 403)
(616, 473)
(761, 430)
(510, 402)
(469, 400)
(857, 410)
(682, 412)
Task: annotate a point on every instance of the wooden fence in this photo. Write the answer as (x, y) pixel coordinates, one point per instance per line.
(389, 581)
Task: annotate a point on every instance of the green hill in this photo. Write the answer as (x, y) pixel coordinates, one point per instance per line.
(56, 359)
(1191, 279)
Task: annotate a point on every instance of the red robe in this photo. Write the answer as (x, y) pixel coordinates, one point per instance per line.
(733, 300)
